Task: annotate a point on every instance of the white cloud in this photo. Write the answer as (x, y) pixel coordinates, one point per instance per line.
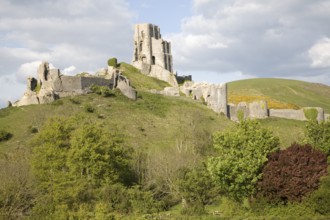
(320, 53)
(69, 70)
(255, 37)
(27, 70)
(79, 33)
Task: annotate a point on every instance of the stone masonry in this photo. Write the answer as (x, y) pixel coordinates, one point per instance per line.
(52, 85)
(152, 55)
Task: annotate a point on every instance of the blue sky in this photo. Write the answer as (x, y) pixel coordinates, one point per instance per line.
(215, 41)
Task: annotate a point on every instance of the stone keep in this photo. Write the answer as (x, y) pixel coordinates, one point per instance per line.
(152, 55)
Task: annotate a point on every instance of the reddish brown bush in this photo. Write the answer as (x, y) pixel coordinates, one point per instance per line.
(292, 173)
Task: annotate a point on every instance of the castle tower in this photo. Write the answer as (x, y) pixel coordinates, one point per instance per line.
(150, 49)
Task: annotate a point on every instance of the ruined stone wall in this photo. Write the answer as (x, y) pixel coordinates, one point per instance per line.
(253, 110)
(215, 96)
(327, 117)
(296, 114)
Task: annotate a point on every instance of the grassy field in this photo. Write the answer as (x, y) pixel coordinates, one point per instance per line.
(282, 93)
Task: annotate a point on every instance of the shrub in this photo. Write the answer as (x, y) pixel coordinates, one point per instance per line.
(89, 108)
(57, 102)
(320, 199)
(32, 129)
(74, 101)
(101, 90)
(311, 113)
(197, 189)
(293, 173)
(318, 135)
(112, 62)
(5, 135)
(242, 153)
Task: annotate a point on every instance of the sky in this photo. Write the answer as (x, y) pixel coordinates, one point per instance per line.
(213, 40)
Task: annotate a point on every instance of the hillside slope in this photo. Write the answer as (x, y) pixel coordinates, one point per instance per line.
(281, 93)
(156, 121)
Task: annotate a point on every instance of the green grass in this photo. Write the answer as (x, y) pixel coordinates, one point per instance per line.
(302, 94)
(150, 122)
(140, 81)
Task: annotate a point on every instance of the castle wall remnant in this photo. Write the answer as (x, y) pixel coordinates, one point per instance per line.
(215, 96)
(152, 55)
(253, 110)
(52, 85)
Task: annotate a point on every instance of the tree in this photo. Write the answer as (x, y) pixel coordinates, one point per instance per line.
(197, 189)
(16, 184)
(293, 173)
(72, 160)
(318, 135)
(242, 153)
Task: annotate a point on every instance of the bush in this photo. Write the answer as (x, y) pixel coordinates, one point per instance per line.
(241, 154)
(89, 108)
(292, 174)
(4, 135)
(318, 135)
(102, 90)
(197, 189)
(57, 102)
(32, 129)
(311, 113)
(113, 62)
(74, 101)
(320, 199)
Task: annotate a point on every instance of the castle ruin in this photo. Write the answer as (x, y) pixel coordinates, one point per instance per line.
(152, 55)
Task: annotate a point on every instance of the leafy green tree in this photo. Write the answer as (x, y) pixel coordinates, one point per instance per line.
(197, 189)
(318, 135)
(72, 160)
(16, 184)
(242, 153)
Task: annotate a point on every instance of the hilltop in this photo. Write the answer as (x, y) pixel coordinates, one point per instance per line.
(153, 121)
(281, 93)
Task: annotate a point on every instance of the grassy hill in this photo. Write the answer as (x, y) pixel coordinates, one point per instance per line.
(156, 121)
(281, 93)
(157, 124)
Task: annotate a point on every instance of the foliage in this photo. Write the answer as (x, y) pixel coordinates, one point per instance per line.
(112, 62)
(320, 199)
(104, 91)
(32, 129)
(293, 173)
(5, 135)
(271, 102)
(57, 102)
(16, 185)
(318, 135)
(197, 189)
(37, 88)
(73, 161)
(89, 108)
(241, 153)
(310, 113)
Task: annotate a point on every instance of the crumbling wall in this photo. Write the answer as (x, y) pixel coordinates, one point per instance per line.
(296, 114)
(53, 85)
(243, 110)
(215, 96)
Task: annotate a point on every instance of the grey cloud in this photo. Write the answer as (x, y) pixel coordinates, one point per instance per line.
(76, 33)
(262, 38)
